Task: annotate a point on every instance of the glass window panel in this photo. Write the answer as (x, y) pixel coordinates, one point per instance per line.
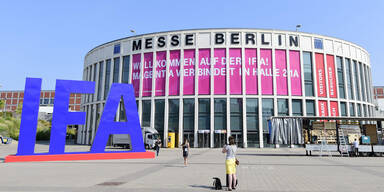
(348, 68)
(116, 68)
(351, 109)
(100, 83)
(282, 106)
(297, 107)
(340, 76)
(236, 114)
(188, 114)
(173, 121)
(220, 114)
(268, 111)
(159, 116)
(146, 113)
(204, 114)
(343, 109)
(310, 105)
(357, 84)
(107, 77)
(125, 69)
(308, 74)
(252, 115)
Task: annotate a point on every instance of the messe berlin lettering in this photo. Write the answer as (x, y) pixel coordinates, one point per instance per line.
(220, 38)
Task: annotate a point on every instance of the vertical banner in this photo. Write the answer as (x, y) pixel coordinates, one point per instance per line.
(295, 73)
(334, 108)
(266, 71)
(204, 71)
(321, 89)
(174, 72)
(189, 72)
(281, 72)
(251, 71)
(136, 65)
(147, 74)
(323, 108)
(235, 71)
(331, 77)
(219, 72)
(161, 70)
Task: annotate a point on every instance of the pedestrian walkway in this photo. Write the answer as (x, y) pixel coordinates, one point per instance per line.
(260, 170)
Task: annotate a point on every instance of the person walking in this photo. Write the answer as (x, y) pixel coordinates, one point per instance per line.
(355, 144)
(185, 148)
(230, 162)
(157, 146)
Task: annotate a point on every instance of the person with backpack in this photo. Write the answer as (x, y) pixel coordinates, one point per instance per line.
(185, 148)
(230, 162)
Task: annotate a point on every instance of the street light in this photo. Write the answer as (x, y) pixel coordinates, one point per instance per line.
(297, 27)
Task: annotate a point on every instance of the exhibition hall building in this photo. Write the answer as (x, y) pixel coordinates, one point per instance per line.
(207, 84)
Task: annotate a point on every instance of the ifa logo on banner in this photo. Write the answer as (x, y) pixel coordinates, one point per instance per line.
(61, 118)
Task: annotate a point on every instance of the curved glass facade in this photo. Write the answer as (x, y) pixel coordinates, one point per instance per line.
(205, 85)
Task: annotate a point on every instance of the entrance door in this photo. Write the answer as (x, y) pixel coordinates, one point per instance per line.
(204, 140)
(220, 140)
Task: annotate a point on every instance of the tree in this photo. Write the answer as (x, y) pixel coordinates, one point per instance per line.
(2, 103)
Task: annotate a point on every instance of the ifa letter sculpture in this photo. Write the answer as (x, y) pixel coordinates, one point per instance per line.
(61, 118)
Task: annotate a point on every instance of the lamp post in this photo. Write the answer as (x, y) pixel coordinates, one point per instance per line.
(297, 27)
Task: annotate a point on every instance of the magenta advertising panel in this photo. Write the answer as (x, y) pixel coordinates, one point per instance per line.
(295, 73)
(235, 71)
(281, 72)
(136, 63)
(147, 74)
(189, 72)
(204, 71)
(174, 72)
(251, 71)
(161, 70)
(266, 71)
(219, 71)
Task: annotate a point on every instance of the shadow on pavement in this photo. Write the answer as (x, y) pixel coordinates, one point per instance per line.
(201, 186)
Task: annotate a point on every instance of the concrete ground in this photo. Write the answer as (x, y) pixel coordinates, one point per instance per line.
(260, 170)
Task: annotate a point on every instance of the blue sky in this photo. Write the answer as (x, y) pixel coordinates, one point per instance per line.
(49, 39)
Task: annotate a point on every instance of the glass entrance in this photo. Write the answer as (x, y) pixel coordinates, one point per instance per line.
(190, 137)
(238, 138)
(220, 138)
(203, 139)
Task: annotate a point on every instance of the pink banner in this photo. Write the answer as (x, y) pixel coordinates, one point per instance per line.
(266, 71)
(281, 72)
(189, 72)
(323, 109)
(331, 77)
(321, 89)
(251, 71)
(174, 72)
(334, 108)
(204, 71)
(147, 75)
(161, 70)
(235, 71)
(136, 65)
(219, 72)
(295, 73)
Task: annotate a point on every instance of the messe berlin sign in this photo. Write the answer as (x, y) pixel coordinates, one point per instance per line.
(62, 118)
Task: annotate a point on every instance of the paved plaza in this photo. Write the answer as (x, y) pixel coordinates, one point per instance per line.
(260, 170)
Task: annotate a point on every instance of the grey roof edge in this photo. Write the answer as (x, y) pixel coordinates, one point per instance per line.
(207, 29)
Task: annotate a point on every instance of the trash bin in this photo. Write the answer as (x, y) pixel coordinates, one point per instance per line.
(171, 140)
